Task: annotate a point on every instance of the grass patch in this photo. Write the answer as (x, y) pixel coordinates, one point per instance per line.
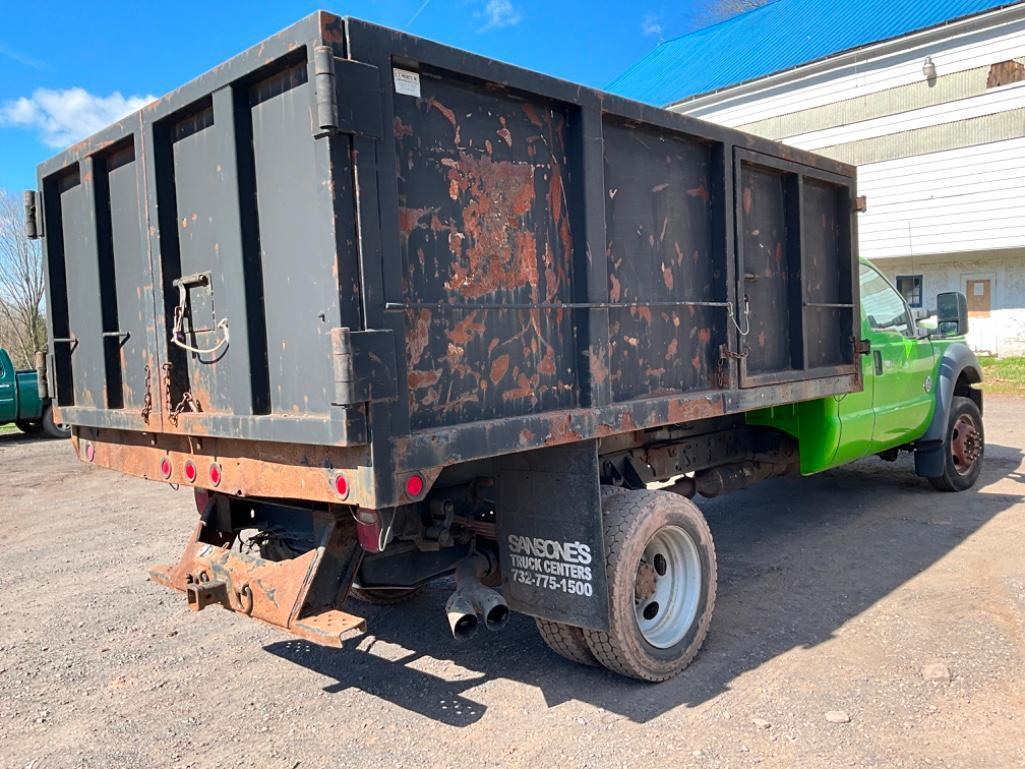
(1003, 376)
(8, 428)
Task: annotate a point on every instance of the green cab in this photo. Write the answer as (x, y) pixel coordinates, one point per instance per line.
(918, 395)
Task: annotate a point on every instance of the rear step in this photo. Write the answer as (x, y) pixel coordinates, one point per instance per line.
(299, 594)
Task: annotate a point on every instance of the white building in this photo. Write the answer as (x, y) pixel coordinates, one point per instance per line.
(934, 118)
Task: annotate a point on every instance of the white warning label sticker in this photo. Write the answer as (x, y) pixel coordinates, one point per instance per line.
(551, 564)
(406, 82)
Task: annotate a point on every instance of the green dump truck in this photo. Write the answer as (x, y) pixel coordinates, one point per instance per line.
(22, 404)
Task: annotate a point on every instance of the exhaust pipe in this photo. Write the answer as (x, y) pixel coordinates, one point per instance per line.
(472, 602)
(488, 604)
(462, 617)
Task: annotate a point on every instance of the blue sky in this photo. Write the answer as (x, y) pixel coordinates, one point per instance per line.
(68, 68)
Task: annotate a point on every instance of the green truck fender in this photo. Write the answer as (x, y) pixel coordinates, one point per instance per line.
(956, 372)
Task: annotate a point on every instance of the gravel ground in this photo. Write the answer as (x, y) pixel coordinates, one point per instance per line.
(863, 620)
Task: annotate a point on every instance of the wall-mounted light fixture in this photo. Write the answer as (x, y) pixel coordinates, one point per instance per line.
(929, 68)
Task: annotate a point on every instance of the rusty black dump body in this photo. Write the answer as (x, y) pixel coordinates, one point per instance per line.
(352, 252)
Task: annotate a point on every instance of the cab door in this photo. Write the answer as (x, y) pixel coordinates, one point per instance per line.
(8, 391)
(901, 364)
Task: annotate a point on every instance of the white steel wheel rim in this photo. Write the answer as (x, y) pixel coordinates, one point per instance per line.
(665, 616)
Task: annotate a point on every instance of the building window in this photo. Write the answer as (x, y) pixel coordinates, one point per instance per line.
(910, 287)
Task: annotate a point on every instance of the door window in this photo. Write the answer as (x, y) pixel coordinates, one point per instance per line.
(884, 308)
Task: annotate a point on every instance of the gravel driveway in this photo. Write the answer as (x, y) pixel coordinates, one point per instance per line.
(863, 620)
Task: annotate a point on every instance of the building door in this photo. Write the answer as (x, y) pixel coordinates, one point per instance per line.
(982, 331)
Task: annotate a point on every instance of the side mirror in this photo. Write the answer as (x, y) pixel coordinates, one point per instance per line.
(952, 313)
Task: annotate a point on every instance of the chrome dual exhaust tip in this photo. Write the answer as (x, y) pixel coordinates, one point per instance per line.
(472, 603)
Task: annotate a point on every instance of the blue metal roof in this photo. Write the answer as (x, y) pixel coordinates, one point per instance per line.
(777, 37)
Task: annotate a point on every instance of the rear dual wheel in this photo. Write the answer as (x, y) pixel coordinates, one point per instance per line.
(661, 571)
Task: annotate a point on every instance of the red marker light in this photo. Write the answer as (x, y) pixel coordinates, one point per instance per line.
(414, 486)
(215, 474)
(165, 467)
(90, 452)
(341, 486)
(190, 472)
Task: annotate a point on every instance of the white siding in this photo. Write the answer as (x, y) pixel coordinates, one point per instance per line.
(874, 73)
(967, 199)
(997, 100)
(1003, 332)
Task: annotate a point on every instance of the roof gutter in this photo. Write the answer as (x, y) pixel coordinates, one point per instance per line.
(853, 56)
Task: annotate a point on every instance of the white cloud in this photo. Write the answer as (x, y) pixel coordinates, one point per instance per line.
(498, 14)
(650, 25)
(62, 117)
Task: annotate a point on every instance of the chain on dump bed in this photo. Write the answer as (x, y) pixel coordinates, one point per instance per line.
(147, 401)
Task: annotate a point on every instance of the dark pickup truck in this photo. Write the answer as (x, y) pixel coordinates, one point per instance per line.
(397, 312)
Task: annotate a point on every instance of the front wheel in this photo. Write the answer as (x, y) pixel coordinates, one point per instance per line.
(661, 567)
(963, 447)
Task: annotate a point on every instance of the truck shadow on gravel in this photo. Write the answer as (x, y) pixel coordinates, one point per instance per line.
(798, 558)
(18, 438)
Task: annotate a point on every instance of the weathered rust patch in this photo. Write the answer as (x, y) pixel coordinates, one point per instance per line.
(496, 253)
(467, 328)
(418, 326)
(400, 129)
(419, 379)
(701, 191)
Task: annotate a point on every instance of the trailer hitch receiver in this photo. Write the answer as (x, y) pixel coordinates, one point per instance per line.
(301, 594)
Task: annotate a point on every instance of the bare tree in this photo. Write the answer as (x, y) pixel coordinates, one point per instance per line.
(724, 9)
(22, 318)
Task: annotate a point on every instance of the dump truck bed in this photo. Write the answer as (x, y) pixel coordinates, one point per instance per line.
(353, 251)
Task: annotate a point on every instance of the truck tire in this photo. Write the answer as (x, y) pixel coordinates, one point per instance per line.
(661, 570)
(566, 640)
(963, 447)
(50, 428)
(383, 596)
(29, 428)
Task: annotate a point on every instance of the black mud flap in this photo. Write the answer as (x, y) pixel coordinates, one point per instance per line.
(550, 535)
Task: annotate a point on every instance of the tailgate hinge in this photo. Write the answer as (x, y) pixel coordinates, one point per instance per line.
(364, 365)
(32, 228)
(348, 95)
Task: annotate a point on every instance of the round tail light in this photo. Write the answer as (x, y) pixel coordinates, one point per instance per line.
(165, 467)
(215, 474)
(414, 486)
(341, 486)
(190, 472)
(90, 452)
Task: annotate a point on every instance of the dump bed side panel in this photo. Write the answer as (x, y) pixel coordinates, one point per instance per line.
(666, 260)
(486, 251)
